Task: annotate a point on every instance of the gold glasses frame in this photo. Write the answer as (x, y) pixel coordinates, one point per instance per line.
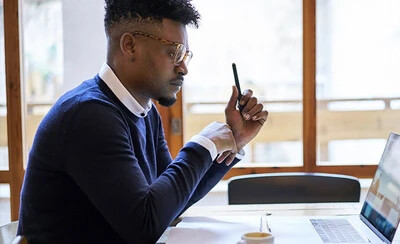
(181, 51)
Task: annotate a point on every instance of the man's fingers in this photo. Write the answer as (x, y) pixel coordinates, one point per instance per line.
(230, 159)
(249, 106)
(222, 157)
(261, 117)
(227, 156)
(253, 111)
(233, 99)
(247, 94)
(221, 135)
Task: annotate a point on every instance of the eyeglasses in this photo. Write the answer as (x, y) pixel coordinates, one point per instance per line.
(181, 51)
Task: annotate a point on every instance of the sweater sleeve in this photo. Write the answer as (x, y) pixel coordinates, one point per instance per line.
(163, 155)
(101, 161)
(214, 174)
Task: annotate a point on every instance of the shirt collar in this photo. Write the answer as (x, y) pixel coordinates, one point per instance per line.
(119, 90)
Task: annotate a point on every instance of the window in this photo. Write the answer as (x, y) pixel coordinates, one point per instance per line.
(358, 58)
(43, 61)
(50, 51)
(345, 69)
(4, 188)
(5, 216)
(264, 39)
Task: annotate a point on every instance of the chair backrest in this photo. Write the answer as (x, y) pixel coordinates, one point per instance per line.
(293, 188)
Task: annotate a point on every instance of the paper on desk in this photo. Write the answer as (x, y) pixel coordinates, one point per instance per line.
(229, 229)
(218, 230)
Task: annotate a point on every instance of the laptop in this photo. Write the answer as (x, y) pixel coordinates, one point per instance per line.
(377, 222)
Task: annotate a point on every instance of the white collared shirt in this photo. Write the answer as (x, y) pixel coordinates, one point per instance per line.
(119, 90)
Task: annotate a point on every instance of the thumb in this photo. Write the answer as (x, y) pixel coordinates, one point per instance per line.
(232, 101)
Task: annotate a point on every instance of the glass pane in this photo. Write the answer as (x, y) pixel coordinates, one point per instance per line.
(43, 59)
(3, 101)
(266, 45)
(358, 89)
(5, 209)
(58, 48)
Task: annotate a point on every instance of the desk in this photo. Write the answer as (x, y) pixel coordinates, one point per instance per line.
(320, 209)
(276, 209)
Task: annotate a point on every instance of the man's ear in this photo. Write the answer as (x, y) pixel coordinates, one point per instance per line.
(127, 44)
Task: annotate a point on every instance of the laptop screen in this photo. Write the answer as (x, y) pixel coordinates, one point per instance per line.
(382, 205)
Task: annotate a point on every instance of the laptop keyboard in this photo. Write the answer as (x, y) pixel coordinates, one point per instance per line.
(336, 231)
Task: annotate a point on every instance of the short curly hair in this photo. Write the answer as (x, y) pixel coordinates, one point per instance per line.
(118, 11)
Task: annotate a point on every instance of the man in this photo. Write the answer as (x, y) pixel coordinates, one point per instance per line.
(99, 170)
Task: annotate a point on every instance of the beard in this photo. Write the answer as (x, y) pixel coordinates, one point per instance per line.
(166, 101)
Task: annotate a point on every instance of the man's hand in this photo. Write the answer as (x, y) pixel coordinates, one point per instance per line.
(222, 136)
(246, 125)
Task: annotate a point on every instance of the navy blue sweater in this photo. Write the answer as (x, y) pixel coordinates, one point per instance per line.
(99, 174)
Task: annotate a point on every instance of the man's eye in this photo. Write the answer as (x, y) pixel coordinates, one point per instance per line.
(171, 55)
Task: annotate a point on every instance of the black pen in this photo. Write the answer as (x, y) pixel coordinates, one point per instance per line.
(237, 86)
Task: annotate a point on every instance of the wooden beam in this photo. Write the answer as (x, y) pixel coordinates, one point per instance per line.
(172, 123)
(164, 114)
(260, 170)
(5, 177)
(176, 126)
(309, 80)
(14, 106)
(286, 126)
(360, 171)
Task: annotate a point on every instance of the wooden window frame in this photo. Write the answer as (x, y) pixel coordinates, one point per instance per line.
(172, 117)
(14, 176)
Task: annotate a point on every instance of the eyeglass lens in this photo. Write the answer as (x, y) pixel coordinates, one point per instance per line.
(182, 55)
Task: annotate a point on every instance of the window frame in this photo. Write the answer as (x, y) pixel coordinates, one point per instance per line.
(14, 176)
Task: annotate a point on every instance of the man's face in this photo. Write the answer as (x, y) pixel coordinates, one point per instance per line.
(162, 79)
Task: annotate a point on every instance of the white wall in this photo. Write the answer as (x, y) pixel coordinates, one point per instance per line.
(84, 40)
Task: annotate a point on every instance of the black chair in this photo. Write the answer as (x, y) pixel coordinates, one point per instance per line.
(293, 188)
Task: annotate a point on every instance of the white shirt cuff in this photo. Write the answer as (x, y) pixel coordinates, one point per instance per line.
(240, 154)
(207, 144)
(210, 146)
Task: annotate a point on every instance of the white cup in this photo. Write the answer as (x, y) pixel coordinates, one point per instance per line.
(257, 238)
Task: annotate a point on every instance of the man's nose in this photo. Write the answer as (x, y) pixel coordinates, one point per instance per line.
(182, 68)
